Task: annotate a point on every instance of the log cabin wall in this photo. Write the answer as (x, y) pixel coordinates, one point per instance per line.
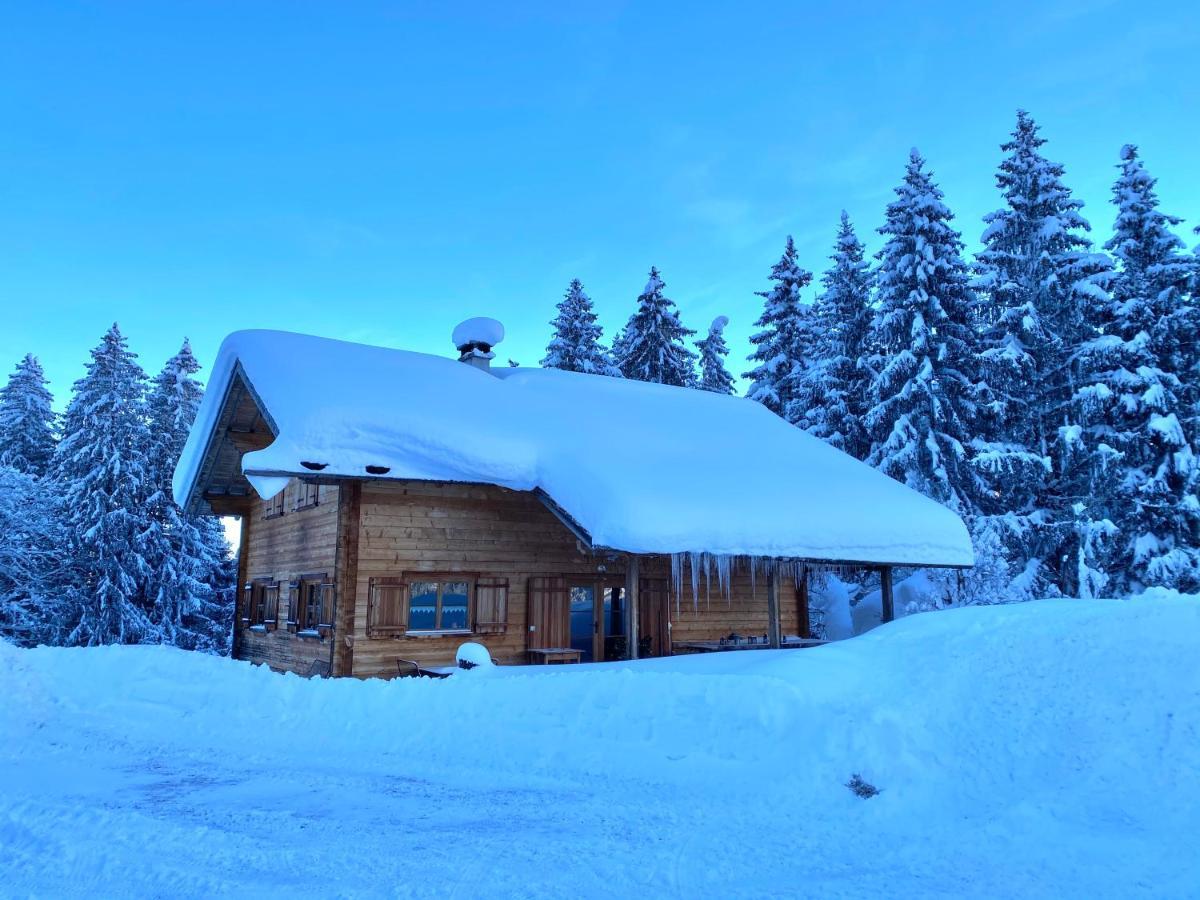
(283, 548)
(446, 528)
(492, 532)
(708, 616)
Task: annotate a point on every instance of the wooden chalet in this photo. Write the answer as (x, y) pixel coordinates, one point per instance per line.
(395, 504)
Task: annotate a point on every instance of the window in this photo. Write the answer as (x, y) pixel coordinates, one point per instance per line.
(491, 606)
(307, 495)
(263, 605)
(273, 508)
(310, 605)
(439, 605)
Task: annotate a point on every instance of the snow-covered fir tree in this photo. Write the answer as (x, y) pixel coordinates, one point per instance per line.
(101, 470)
(1147, 342)
(835, 400)
(27, 419)
(576, 344)
(713, 350)
(189, 597)
(651, 346)
(782, 347)
(31, 560)
(922, 392)
(1039, 282)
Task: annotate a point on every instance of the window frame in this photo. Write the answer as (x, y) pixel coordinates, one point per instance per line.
(442, 579)
(306, 603)
(262, 614)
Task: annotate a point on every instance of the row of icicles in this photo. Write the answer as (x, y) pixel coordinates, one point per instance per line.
(723, 564)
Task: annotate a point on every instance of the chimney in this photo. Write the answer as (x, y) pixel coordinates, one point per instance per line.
(475, 339)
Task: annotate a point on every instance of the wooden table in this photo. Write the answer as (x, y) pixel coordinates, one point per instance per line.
(547, 655)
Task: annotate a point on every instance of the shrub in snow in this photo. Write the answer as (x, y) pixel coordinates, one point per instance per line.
(861, 788)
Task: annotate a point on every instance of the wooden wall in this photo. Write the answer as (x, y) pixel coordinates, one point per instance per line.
(300, 542)
(437, 527)
(446, 527)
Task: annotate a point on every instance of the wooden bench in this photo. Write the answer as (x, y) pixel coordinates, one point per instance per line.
(547, 655)
(407, 668)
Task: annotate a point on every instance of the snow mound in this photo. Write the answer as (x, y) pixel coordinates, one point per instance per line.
(680, 470)
(1042, 749)
(480, 330)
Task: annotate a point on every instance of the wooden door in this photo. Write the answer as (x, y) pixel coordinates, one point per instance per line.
(654, 627)
(548, 618)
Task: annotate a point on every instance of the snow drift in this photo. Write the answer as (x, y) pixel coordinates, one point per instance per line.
(1045, 749)
(641, 467)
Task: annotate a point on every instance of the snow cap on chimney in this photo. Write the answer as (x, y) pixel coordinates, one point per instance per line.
(475, 339)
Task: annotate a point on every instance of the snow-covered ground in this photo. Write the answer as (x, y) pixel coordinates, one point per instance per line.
(1045, 749)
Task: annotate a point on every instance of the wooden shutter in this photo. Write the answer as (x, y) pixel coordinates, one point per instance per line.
(326, 593)
(491, 606)
(653, 610)
(247, 603)
(548, 621)
(271, 616)
(293, 607)
(387, 607)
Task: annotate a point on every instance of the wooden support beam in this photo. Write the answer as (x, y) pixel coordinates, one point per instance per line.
(773, 585)
(349, 524)
(887, 606)
(243, 562)
(802, 616)
(632, 579)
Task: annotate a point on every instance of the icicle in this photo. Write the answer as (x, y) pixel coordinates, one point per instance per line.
(707, 580)
(694, 566)
(677, 577)
(723, 564)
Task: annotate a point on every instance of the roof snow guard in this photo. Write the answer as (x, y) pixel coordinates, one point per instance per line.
(643, 468)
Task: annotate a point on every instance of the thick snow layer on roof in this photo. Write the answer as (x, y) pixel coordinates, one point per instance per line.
(641, 467)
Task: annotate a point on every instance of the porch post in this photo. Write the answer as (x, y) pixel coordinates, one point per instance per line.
(243, 564)
(804, 625)
(887, 607)
(631, 606)
(773, 604)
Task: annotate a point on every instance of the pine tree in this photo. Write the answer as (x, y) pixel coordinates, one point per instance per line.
(1038, 279)
(783, 345)
(836, 395)
(575, 345)
(100, 467)
(187, 553)
(652, 344)
(922, 390)
(31, 560)
(713, 350)
(27, 419)
(1147, 344)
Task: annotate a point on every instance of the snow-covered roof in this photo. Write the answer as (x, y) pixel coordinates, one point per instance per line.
(644, 468)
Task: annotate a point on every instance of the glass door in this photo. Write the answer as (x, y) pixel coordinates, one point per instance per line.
(613, 623)
(584, 624)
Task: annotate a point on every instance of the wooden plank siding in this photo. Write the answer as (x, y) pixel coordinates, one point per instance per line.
(299, 542)
(383, 529)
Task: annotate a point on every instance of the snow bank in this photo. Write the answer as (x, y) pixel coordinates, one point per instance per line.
(662, 469)
(1041, 749)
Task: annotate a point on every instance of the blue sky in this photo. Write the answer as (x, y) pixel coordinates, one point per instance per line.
(378, 171)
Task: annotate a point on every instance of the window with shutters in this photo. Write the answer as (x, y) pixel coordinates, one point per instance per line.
(273, 508)
(491, 606)
(263, 606)
(307, 495)
(310, 606)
